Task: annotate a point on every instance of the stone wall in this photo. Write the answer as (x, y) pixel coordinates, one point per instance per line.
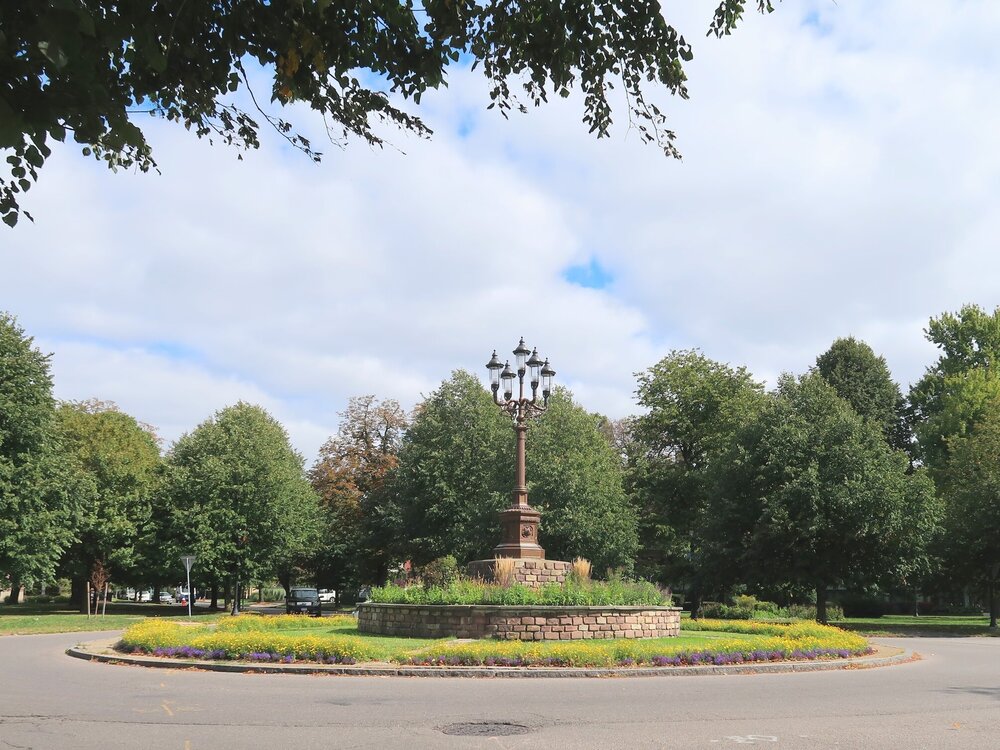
(533, 573)
(518, 623)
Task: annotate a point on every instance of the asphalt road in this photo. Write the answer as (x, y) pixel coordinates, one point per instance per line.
(950, 699)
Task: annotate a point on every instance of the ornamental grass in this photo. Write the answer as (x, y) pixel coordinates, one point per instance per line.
(571, 594)
(240, 642)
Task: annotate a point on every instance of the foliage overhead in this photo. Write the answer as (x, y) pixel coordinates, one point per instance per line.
(86, 67)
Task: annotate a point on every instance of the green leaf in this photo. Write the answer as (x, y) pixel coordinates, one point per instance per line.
(54, 53)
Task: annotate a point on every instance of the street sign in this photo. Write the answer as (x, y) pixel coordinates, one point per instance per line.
(188, 561)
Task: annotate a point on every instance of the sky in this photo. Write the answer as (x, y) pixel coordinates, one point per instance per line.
(840, 177)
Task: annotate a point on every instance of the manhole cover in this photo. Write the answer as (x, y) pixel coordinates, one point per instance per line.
(486, 729)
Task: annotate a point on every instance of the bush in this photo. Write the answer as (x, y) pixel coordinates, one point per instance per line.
(272, 594)
(743, 608)
(808, 611)
(861, 605)
(442, 572)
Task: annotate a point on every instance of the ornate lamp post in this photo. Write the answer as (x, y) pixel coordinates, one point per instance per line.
(519, 522)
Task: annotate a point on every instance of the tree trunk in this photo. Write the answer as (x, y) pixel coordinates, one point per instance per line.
(694, 599)
(916, 602)
(821, 605)
(260, 593)
(215, 595)
(285, 579)
(15, 591)
(78, 594)
(236, 596)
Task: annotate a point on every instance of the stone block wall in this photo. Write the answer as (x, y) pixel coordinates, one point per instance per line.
(518, 623)
(530, 572)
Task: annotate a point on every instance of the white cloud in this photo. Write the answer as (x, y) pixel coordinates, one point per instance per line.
(839, 178)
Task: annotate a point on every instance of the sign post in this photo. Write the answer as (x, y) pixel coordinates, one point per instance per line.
(188, 561)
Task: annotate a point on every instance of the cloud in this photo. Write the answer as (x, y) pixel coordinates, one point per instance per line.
(839, 178)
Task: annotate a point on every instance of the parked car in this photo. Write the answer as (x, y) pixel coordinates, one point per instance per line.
(166, 598)
(364, 594)
(303, 601)
(327, 596)
(145, 596)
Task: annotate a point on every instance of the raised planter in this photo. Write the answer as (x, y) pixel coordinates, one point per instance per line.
(527, 571)
(524, 623)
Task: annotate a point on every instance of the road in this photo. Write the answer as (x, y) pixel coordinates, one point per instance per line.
(949, 699)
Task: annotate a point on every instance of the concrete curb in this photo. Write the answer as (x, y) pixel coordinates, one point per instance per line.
(101, 651)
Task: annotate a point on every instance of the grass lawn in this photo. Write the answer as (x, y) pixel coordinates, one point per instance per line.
(394, 648)
(926, 625)
(31, 619)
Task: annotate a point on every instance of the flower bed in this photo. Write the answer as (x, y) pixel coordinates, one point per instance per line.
(255, 639)
(799, 641)
(245, 638)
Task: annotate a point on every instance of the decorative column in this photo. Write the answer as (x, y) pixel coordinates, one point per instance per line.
(519, 522)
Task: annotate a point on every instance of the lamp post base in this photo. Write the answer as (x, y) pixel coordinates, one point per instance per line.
(519, 536)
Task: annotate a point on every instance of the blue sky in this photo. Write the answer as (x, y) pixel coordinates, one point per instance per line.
(840, 177)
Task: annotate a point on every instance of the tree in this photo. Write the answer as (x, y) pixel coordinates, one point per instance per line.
(350, 476)
(84, 67)
(810, 496)
(40, 486)
(455, 473)
(239, 498)
(973, 521)
(576, 481)
(694, 408)
(948, 400)
(122, 459)
(863, 380)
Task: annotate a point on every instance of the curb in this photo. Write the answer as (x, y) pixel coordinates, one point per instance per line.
(99, 651)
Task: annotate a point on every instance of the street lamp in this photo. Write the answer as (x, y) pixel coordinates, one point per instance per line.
(519, 522)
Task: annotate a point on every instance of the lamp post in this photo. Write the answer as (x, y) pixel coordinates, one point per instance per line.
(519, 522)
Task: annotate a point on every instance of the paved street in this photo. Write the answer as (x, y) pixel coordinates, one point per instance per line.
(950, 699)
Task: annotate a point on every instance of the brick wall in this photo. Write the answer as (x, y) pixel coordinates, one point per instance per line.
(530, 572)
(518, 623)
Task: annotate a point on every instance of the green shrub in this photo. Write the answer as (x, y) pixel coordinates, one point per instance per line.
(808, 611)
(862, 605)
(442, 572)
